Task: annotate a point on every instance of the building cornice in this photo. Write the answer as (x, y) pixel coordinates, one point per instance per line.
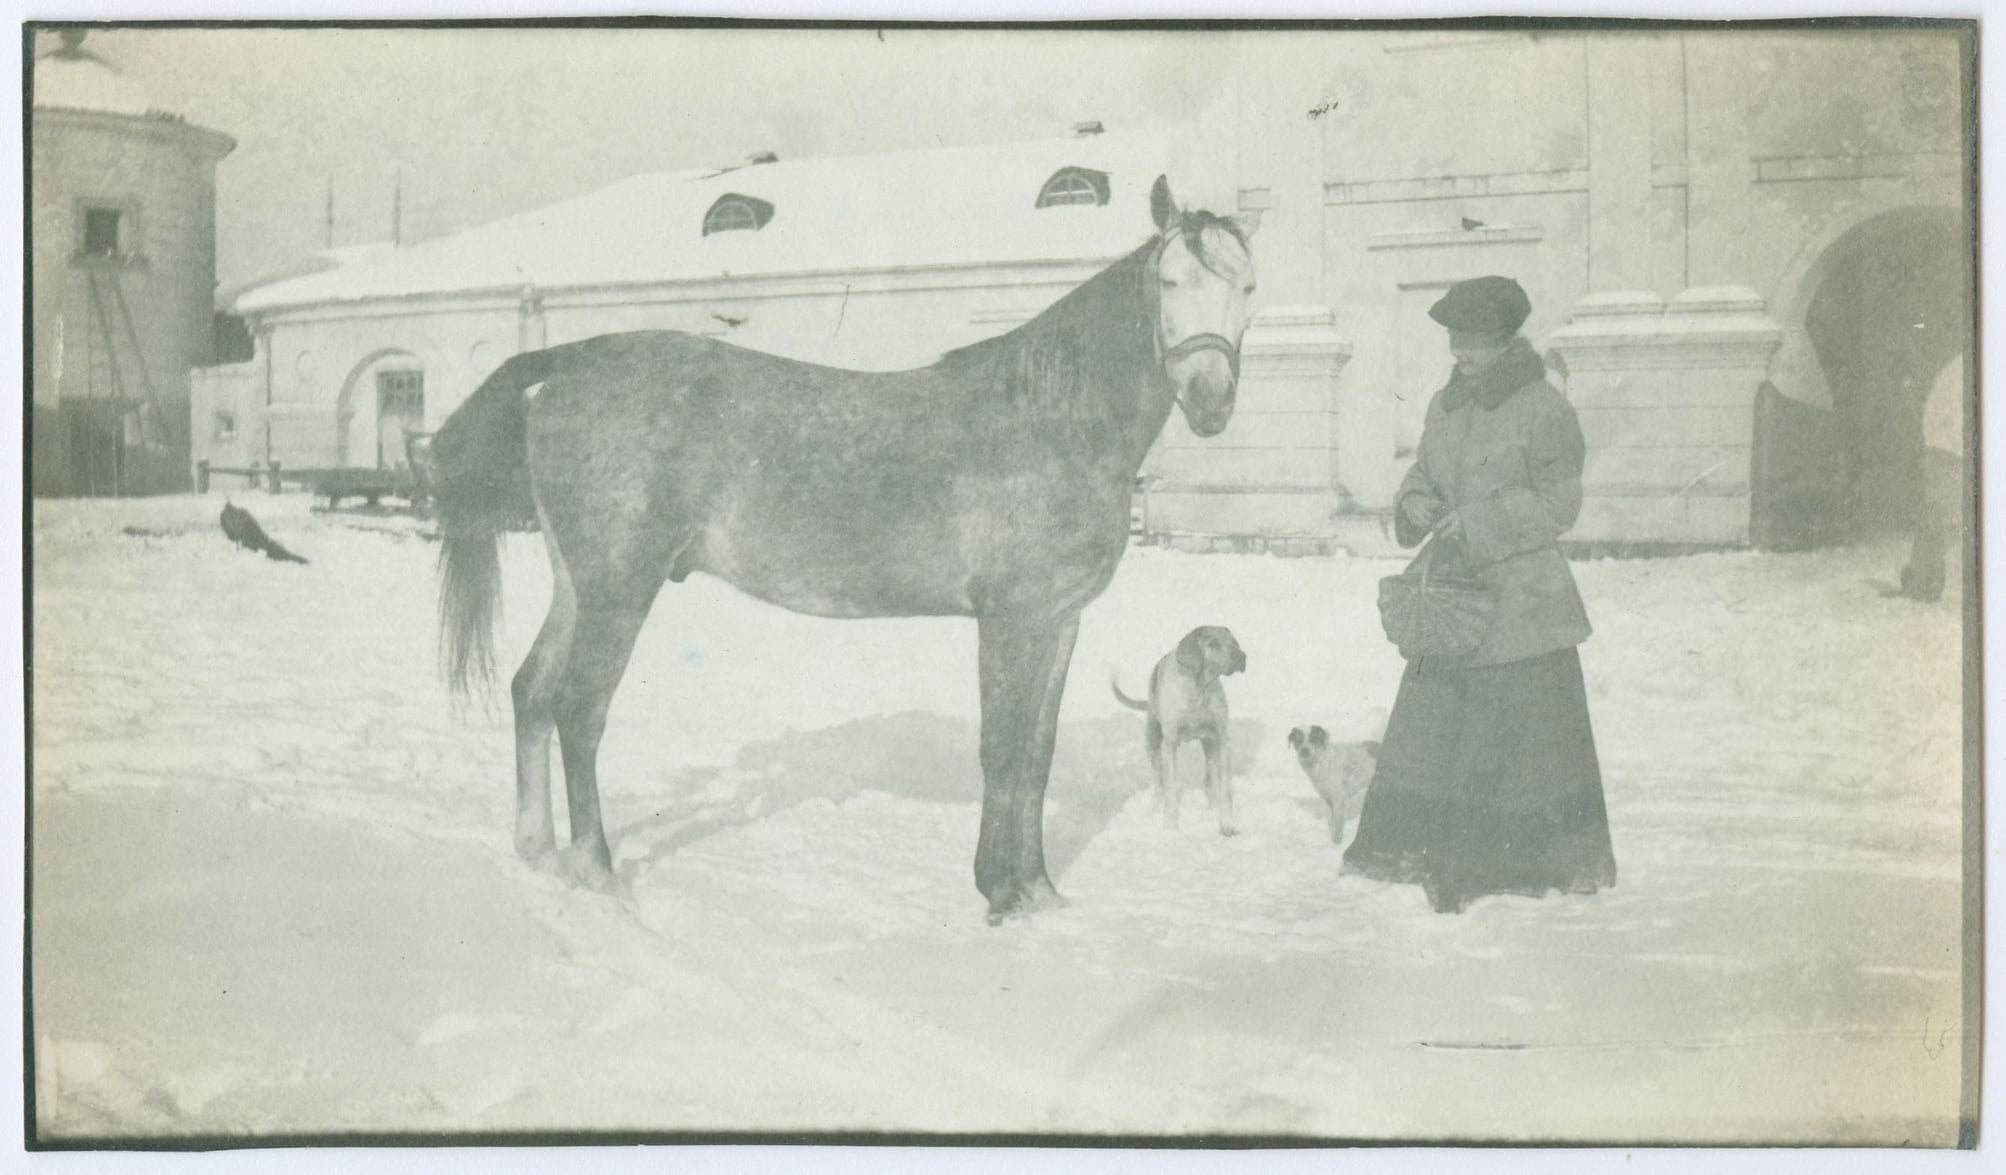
(215, 144)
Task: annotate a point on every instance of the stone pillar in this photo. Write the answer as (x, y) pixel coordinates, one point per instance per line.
(1281, 158)
(1666, 397)
(1719, 172)
(261, 351)
(1666, 391)
(1266, 482)
(1619, 163)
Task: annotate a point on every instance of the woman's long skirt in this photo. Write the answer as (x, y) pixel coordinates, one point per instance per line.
(1487, 783)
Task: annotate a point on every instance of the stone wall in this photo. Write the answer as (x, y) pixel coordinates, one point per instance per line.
(1666, 397)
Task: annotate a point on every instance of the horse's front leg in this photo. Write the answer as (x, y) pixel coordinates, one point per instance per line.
(1023, 670)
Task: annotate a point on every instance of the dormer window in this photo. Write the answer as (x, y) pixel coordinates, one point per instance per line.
(1073, 185)
(735, 213)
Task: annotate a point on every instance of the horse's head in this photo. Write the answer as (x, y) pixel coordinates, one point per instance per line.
(1204, 274)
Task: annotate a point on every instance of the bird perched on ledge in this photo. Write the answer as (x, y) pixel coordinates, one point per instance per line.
(244, 531)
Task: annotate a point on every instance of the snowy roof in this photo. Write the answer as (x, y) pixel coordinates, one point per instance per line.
(934, 207)
(74, 78)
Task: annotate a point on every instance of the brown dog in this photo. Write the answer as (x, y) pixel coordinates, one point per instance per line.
(1340, 772)
(1187, 703)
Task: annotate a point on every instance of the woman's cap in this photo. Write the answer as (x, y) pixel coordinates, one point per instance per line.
(1484, 305)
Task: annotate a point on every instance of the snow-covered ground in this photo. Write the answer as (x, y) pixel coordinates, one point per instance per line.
(274, 890)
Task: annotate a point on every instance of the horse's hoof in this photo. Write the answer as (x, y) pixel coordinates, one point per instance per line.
(1037, 897)
(1043, 895)
(588, 870)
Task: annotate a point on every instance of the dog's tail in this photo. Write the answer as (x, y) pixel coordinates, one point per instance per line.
(1114, 683)
(483, 484)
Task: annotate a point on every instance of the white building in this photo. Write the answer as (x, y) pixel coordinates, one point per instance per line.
(1696, 214)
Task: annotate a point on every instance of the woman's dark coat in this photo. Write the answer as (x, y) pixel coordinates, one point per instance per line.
(1506, 453)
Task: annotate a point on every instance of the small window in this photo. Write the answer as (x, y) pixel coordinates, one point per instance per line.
(223, 425)
(101, 236)
(734, 213)
(401, 393)
(1073, 185)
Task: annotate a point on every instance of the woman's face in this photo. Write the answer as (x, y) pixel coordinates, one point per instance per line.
(1475, 350)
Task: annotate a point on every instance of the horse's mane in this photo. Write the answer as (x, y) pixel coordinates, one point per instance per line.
(1098, 339)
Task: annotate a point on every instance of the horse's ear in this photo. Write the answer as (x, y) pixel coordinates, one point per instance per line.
(1161, 206)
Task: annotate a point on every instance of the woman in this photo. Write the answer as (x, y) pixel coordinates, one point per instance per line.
(1939, 512)
(1487, 779)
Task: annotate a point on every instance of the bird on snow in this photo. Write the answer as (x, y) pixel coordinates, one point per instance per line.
(244, 531)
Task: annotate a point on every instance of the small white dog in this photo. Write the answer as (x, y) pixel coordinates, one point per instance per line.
(1340, 772)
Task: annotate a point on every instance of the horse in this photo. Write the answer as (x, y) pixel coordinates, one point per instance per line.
(994, 484)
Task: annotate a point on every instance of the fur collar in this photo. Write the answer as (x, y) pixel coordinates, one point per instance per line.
(1518, 366)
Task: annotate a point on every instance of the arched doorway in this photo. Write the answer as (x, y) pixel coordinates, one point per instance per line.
(382, 399)
(1891, 310)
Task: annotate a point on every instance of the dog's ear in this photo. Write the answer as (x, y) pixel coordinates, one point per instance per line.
(1162, 206)
(1191, 651)
(1297, 737)
(1318, 736)
(1236, 657)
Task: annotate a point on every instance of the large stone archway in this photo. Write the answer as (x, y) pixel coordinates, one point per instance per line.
(1892, 311)
(1872, 319)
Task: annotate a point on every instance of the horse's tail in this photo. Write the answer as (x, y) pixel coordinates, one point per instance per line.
(481, 468)
(1114, 683)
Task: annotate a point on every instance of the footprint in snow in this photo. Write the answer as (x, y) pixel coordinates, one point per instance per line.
(453, 1025)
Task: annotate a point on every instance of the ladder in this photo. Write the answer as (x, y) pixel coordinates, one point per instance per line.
(109, 320)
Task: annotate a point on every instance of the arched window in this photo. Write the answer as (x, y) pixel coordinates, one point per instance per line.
(735, 213)
(1073, 185)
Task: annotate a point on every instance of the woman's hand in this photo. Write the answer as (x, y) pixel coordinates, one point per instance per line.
(1421, 510)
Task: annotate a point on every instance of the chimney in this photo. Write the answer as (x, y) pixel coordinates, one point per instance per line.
(762, 157)
(1082, 130)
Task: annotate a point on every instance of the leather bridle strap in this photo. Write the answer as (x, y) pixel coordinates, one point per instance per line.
(1198, 342)
(1206, 342)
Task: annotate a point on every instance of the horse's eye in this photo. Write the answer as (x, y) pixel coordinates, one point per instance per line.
(1250, 287)
(1168, 283)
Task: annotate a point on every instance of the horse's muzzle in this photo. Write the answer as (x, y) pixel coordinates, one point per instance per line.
(1206, 398)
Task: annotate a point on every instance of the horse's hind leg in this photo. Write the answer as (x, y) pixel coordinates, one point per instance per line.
(603, 635)
(533, 693)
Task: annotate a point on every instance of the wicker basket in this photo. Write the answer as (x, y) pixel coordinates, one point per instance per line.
(1430, 615)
